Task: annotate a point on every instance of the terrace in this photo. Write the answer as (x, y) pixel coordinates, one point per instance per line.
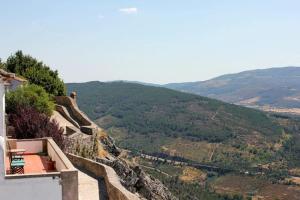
(39, 157)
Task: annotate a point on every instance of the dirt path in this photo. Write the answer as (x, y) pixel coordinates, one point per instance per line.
(212, 153)
(152, 168)
(217, 112)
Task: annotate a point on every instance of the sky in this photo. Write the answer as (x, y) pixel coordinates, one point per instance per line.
(157, 41)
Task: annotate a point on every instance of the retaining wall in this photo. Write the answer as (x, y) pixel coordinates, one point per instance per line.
(115, 189)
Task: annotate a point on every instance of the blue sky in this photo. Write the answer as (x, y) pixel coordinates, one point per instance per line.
(157, 41)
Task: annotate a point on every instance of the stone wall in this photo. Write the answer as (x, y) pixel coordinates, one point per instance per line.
(76, 113)
(68, 108)
(114, 188)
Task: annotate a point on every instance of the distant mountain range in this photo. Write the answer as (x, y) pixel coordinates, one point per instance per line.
(167, 123)
(274, 89)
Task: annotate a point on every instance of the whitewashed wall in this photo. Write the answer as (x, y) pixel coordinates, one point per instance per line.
(38, 188)
(31, 146)
(2, 130)
(42, 188)
(2, 110)
(2, 167)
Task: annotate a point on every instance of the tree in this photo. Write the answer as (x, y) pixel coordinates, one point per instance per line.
(36, 72)
(2, 65)
(29, 123)
(29, 96)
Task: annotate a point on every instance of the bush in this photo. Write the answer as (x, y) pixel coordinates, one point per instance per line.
(36, 72)
(2, 65)
(29, 123)
(29, 96)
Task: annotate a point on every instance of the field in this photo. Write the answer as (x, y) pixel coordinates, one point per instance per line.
(257, 187)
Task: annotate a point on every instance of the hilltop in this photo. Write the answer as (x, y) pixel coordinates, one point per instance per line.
(274, 89)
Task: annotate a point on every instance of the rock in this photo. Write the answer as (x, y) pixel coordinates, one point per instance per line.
(151, 188)
(110, 146)
(136, 180)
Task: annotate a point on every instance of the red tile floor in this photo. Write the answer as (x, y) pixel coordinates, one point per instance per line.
(34, 164)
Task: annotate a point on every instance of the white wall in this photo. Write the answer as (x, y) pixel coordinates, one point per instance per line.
(38, 188)
(31, 146)
(59, 165)
(2, 130)
(2, 110)
(42, 188)
(2, 167)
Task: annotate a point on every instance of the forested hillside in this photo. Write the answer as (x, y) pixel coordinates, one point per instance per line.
(159, 120)
(147, 110)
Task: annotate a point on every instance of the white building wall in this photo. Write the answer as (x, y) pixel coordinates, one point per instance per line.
(2, 130)
(2, 110)
(41, 188)
(37, 188)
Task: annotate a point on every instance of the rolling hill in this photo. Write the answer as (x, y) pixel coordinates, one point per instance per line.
(274, 89)
(157, 120)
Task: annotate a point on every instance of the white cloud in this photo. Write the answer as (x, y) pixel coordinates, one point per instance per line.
(128, 10)
(100, 16)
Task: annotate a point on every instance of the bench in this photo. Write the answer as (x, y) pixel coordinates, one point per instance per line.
(17, 166)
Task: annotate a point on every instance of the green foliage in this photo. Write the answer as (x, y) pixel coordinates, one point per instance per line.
(145, 118)
(186, 191)
(36, 72)
(2, 65)
(29, 123)
(29, 96)
(147, 110)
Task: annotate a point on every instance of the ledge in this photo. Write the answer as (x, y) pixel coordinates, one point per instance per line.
(20, 176)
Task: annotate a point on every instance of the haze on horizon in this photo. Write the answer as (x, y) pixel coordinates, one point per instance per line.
(152, 41)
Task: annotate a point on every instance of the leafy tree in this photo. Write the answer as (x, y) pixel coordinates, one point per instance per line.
(29, 123)
(29, 96)
(2, 65)
(36, 72)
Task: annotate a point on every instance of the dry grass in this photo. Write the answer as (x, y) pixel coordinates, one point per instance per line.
(295, 171)
(295, 180)
(198, 151)
(295, 111)
(102, 153)
(190, 174)
(261, 189)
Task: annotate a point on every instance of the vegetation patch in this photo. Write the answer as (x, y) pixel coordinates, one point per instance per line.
(254, 186)
(191, 174)
(36, 72)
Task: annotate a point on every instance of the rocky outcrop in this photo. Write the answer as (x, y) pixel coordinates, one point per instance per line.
(136, 180)
(110, 146)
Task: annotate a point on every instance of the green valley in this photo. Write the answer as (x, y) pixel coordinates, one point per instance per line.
(165, 122)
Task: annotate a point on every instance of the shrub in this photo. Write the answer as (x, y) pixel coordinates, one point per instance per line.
(29, 96)
(29, 123)
(36, 72)
(2, 65)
